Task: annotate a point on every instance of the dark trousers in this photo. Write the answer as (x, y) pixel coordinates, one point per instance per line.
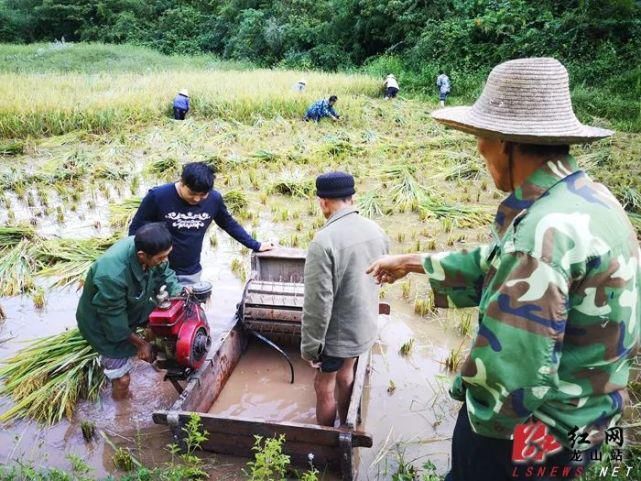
(479, 458)
(391, 92)
(179, 114)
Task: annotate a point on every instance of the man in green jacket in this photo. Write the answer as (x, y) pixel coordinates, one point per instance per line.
(118, 296)
(558, 288)
(340, 309)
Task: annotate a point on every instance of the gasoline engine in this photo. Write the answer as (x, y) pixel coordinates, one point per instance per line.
(181, 332)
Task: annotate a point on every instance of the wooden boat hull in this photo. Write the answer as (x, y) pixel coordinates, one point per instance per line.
(330, 447)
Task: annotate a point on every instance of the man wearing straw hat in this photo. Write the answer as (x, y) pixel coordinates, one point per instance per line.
(557, 288)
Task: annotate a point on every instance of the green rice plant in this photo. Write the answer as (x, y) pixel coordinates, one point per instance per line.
(68, 260)
(88, 429)
(465, 323)
(213, 240)
(238, 267)
(391, 387)
(369, 204)
(424, 305)
(38, 298)
(123, 459)
(406, 348)
(48, 377)
(454, 359)
(235, 201)
(121, 214)
(406, 288)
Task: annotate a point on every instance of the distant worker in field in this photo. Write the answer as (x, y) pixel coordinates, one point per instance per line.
(390, 86)
(187, 208)
(558, 288)
(117, 298)
(322, 108)
(443, 85)
(181, 104)
(340, 309)
(299, 86)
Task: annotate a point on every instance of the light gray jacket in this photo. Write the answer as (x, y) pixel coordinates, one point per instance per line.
(341, 301)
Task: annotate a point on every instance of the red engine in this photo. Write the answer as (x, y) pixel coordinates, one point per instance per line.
(180, 327)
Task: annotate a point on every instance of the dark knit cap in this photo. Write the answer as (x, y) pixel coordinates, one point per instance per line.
(335, 185)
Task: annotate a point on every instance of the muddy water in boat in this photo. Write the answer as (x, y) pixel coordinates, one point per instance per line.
(414, 420)
(259, 387)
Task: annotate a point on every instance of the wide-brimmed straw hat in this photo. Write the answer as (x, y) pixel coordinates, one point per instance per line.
(184, 92)
(526, 101)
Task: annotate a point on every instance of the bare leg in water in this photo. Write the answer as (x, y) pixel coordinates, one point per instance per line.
(120, 387)
(333, 391)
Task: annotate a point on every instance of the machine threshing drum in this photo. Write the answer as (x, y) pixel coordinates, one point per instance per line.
(272, 303)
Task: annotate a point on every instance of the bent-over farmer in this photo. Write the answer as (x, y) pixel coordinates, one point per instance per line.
(558, 286)
(118, 296)
(340, 311)
(181, 104)
(321, 109)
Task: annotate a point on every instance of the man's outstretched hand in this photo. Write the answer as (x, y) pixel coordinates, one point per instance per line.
(389, 269)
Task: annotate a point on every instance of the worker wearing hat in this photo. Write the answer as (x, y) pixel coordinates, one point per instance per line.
(390, 86)
(299, 86)
(558, 287)
(340, 308)
(181, 104)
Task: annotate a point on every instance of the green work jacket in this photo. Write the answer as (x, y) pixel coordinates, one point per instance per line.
(118, 295)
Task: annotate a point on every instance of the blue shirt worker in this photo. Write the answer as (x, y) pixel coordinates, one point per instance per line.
(187, 208)
(322, 108)
(181, 104)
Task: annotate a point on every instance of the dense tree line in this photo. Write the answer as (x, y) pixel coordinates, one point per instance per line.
(462, 35)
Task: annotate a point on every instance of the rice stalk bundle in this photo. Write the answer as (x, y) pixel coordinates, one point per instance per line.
(47, 378)
(462, 215)
(369, 204)
(235, 201)
(16, 269)
(12, 148)
(166, 168)
(68, 260)
(10, 235)
(120, 215)
(265, 155)
(294, 184)
(406, 192)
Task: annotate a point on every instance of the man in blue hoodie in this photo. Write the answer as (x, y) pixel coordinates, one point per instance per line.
(181, 104)
(188, 207)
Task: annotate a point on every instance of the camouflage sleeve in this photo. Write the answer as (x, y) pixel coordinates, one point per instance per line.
(515, 357)
(456, 278)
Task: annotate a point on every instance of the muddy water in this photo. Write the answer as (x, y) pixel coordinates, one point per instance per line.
(259, 387)
(415, 420)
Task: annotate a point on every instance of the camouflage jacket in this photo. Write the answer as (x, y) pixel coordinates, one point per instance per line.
(558, 296)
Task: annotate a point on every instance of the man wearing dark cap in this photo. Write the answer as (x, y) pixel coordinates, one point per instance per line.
(341, 301)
